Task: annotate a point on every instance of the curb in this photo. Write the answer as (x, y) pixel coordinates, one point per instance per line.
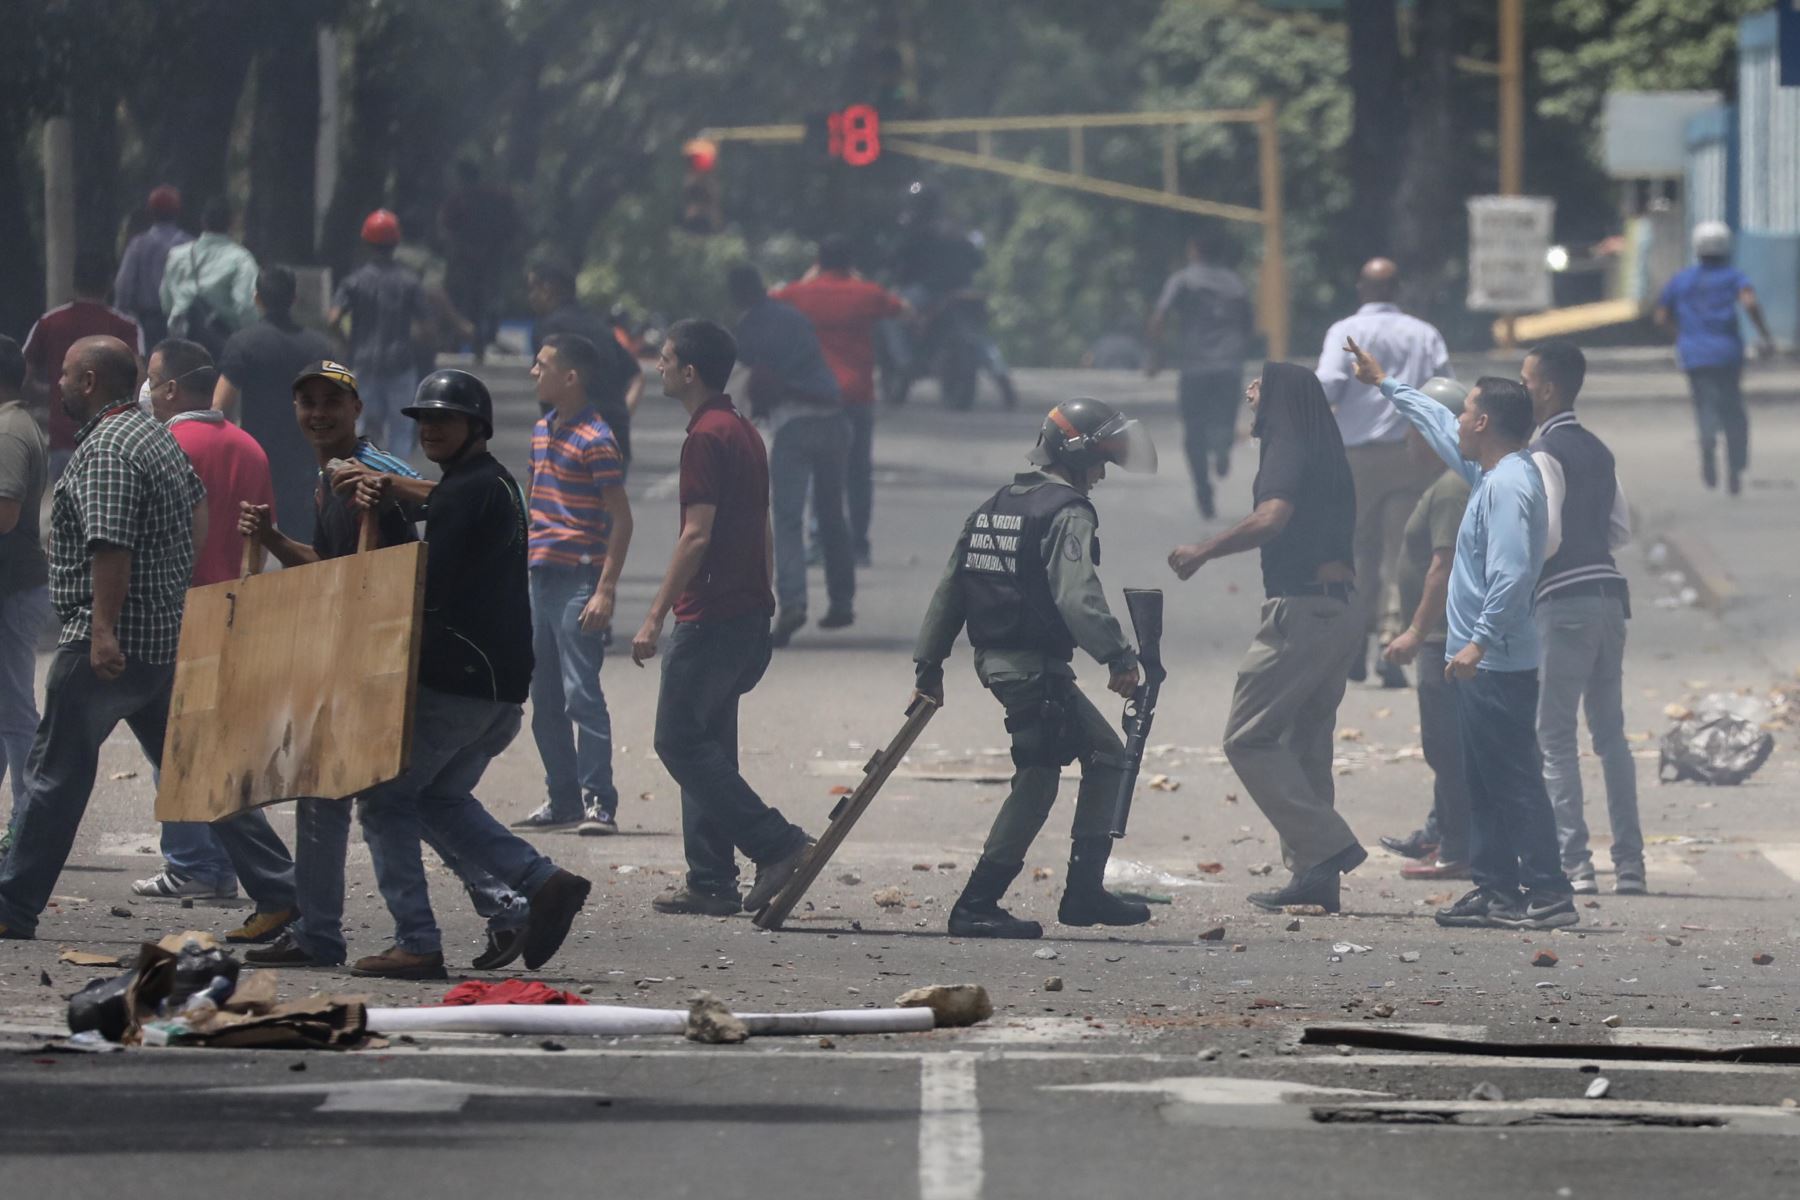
(1694, 557)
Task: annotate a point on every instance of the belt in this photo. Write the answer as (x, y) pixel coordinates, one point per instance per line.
(1337, 591)
(1616, 588)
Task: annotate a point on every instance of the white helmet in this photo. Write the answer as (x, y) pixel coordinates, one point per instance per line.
(1712, 239)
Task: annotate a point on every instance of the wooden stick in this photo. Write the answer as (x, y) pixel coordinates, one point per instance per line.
(370, 534)
(845, 815)
(252, 559)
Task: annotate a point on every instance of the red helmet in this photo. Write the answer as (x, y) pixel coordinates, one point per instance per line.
(165, 202)
(381, 228)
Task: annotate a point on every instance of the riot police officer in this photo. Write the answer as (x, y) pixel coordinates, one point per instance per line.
(1022, 580)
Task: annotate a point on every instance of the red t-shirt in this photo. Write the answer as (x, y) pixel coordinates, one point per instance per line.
(843, 310)
(233, 467)
(49, 341)
(724, 463)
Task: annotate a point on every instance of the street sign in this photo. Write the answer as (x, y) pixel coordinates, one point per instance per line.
(1509, 237)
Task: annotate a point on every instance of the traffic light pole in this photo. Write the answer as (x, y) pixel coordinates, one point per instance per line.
(1273, 300)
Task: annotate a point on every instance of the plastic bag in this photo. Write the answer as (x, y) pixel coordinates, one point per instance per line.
(1722, 743)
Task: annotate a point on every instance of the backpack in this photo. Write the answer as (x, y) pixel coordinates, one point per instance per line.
(200, 321)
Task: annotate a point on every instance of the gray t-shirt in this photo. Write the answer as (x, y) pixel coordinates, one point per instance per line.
(1211, 307)
(384, 300)
(24, 473)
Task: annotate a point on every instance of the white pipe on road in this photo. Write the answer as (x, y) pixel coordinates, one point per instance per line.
(611, 1020)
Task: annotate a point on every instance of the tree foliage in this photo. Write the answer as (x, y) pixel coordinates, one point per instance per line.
(582, 108)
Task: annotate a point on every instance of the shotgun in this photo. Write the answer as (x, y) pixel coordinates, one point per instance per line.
(1146, 608)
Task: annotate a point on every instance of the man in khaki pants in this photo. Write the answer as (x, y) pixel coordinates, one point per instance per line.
(1284, 711)
(1388, 480)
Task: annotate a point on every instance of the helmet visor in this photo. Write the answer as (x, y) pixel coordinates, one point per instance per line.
(1126, 443)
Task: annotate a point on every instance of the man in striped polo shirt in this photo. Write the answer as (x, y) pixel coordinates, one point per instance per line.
(580, 532)
(1582, 606)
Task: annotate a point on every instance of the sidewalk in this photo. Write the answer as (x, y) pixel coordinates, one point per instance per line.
(1740, 551)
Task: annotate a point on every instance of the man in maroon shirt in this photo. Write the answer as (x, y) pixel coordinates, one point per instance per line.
(717, 585)
(88, 315)
(845, 309)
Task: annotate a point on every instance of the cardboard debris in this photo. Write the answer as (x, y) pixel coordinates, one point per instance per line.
(85, 958)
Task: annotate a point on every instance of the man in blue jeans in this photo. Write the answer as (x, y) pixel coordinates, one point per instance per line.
(1699, 306)
(717, 585)
(475, 667)
(1582, 606)
(791, 386)
(580, 532)
(126, 519)
(382, 301)
(1493, 648)
(326, 407)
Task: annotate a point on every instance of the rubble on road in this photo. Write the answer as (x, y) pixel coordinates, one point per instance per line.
(952, 1005)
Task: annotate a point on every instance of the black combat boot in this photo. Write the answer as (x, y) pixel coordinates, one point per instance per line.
(978, 912)
(1085, 901)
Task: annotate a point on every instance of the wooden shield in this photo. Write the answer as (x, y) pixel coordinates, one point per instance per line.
(294, 683)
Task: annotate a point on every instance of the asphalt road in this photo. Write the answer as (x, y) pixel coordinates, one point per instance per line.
(1165, 1065)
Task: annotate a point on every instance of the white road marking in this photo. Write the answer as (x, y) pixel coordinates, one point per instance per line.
(1784, 858)
(949, 1128)
(393, 1095)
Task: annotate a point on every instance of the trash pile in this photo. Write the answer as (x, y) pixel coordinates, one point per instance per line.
(187, 990)
(1721, 741)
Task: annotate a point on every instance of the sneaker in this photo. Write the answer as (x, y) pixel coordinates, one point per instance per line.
(284, 951)
(1582, 880)
(771, 877)
(395, 963)
(170, 884)
(553, 909)
(1480, 909)
(503, 946)
(1629, 881)
(263, 926)
(786, 625)
(1541, 911)
(837, 618)
(545, 820)
(597, 823)
(1435, 868)
(8, 933)
(688, 902)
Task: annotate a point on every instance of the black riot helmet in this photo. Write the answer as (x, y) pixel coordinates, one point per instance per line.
(1083, 433)
(457, 392)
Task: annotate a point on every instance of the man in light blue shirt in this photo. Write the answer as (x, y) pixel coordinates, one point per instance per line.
(1492, 649)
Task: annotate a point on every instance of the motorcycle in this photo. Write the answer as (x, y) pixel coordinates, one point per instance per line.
(948, 342)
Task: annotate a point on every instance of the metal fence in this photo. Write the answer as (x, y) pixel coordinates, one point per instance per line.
(1769, 132)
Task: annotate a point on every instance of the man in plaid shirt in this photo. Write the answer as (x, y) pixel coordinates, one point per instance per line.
(124, 523)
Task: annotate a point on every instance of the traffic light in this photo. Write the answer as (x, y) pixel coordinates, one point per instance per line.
(700, 208)
(851, 136)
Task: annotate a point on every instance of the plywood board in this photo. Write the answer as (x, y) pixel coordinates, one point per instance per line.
(295, 683)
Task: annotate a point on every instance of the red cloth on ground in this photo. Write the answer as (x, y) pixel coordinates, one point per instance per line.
(507, 991)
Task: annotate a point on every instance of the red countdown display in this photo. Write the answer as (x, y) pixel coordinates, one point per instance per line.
(854, 135)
